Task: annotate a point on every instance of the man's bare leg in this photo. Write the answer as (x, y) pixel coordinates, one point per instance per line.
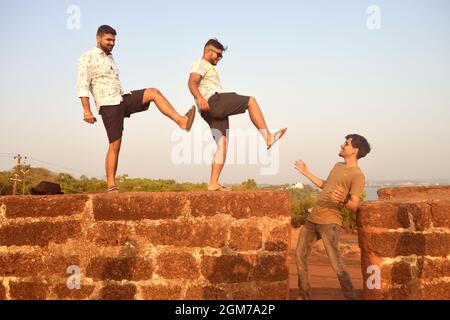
(258, 120)
(154, 95)
(218, 162)
(111, 162)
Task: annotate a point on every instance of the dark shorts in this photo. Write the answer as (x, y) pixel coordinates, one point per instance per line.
(221, 106)
(113, 116)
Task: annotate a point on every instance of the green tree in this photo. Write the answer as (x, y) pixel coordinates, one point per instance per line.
(248, 185)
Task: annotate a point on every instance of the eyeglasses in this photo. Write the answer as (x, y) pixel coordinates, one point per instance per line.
(219, 54)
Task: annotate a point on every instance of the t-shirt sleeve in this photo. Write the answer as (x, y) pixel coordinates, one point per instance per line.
(357, 187)
(200, 68)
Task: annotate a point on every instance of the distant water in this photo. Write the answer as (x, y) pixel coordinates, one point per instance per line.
(371, 193)
(372, 187)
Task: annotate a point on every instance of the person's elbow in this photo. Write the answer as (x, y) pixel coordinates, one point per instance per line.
(192, 85)
(322, 184)
(353, 206)
(353, 203)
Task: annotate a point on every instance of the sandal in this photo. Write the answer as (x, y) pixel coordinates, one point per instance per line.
(220, 188)
(191, 116)
(277, 136)
(113, 189)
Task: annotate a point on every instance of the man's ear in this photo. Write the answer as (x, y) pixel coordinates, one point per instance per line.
(98, 38)
(355, 151)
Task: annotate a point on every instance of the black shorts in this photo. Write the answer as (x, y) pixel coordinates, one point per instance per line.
(113, 116)
(221, 106)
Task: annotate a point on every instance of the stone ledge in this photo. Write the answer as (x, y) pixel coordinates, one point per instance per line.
(202, 245)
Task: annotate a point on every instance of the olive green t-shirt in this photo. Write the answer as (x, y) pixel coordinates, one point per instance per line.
(327, 210)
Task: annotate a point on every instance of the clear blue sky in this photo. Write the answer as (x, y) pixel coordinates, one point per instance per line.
(313, 66)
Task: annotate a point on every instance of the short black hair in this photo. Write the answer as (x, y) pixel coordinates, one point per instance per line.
(216, 44)
(361, 143)
(105, 29)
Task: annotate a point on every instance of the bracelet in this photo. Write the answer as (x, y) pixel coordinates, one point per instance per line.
(86, 113)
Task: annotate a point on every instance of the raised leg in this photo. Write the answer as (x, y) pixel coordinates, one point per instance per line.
(164, 106)
(258, 120)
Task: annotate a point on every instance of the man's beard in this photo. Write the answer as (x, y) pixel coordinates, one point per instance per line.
(106, 48)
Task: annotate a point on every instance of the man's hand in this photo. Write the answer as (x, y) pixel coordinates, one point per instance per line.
(193, 84)
(89, 118)
(339, 195)
(301, 167)
(203, 104)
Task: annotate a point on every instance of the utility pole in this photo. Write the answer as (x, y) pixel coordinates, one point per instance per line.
(16, 169)
(25, 168)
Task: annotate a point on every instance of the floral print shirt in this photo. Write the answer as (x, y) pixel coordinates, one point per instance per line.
(98, 74)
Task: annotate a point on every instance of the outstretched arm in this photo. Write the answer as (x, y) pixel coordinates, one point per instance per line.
(194, 82)
(303, 169)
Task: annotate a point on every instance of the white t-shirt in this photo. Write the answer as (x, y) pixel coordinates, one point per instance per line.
(210, 83)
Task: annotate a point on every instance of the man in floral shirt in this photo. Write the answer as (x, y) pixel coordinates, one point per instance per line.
(99, 75)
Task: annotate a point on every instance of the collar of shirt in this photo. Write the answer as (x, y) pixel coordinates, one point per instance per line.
(101, 52)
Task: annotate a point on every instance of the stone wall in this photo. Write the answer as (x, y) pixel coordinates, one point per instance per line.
(203, 245)
(406, 234)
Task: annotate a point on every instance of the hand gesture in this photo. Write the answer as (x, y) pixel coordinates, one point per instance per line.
(203, 104)
(89, 118)
(301, 167)
(339, 195)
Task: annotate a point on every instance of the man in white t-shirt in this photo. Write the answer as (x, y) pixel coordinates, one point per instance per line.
(215, 106)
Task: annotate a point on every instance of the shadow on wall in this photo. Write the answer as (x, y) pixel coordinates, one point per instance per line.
(122, 267)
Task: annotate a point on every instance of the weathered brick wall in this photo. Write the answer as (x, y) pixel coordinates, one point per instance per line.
(406, 233)
(204, 245)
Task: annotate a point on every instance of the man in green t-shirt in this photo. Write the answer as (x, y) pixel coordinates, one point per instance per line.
(343, 188)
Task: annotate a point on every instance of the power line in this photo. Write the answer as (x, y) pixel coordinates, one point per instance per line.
(8, 155)
(57, 165)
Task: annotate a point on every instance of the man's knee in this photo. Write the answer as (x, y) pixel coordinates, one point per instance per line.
(219, 136)
(151, 93)
(115, 146)
(252, 101)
